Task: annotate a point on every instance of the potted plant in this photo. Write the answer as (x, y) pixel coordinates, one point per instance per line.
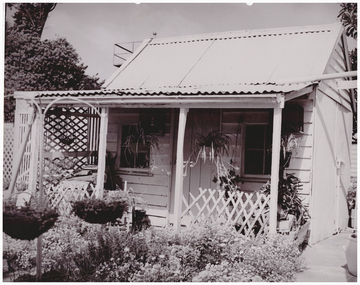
(139, 140)
(100, 210)
(293, 216)
(351, 254)
(213, 144)
(29, 221)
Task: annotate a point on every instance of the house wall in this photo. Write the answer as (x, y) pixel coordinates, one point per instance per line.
(332, 142)
(301, 163)
(152, 185)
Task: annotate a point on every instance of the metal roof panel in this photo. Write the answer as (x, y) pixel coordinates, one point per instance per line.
(251, 57)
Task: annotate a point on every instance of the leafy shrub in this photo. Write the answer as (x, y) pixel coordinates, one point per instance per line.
(206, 252)
(226, 272)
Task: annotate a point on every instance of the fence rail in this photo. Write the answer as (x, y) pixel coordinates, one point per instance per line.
(249, 212)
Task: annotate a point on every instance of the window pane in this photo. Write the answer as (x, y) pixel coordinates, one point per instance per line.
(255, 137)
(254, 161)
(136, 154)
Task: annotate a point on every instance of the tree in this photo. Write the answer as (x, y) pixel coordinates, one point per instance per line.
(32, 64)
(32, 16)
(348, 17)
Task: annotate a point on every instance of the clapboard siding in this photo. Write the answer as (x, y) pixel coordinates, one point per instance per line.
(153, 185)
(354, 160)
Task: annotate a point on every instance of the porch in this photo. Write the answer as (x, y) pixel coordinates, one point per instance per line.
(233, 209)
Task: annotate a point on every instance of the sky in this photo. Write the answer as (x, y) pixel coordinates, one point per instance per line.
(94, 28)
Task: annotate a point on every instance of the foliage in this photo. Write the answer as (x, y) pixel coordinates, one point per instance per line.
(289, 199)
(99, 210)
(218, 143)
(226, 272)
(351, 195)
(32, 64)
(348, 16)
(227, 179)
(139, 136)
(27, 222)
(32, 16)
(79, 251)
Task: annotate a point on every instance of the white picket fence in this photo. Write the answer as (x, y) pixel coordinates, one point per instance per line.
(248, 211)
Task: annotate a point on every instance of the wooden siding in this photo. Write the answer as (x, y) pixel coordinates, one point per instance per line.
(154, 184)
(354, 160)
(332, 143)
(301, 163)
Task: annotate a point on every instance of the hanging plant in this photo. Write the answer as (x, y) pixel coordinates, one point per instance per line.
(27, 222)
(289, 146)
(138, 140)
(100, 211)
(213, 144)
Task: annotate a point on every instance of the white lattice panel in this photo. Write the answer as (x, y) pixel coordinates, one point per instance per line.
(247, 211)
(61, 196)
(8, 148)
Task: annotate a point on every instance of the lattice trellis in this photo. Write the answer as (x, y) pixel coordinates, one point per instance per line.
(74, 132)
(8, 148)
(247, 211)
(61, 196)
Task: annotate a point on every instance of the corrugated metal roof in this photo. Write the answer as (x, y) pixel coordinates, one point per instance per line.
(249, 61)
(189, 90)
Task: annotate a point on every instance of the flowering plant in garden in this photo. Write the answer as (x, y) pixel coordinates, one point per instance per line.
(207, 252)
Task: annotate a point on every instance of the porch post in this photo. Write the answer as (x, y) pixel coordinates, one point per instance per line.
(102, 152)
(34, 156)
(179, 168)
(275, 159)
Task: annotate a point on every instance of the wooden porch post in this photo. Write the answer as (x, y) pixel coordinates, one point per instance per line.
(34, 157)
(102, 152)
(179, 168)
(275, 159)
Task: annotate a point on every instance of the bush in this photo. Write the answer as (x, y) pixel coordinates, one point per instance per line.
(207, 252)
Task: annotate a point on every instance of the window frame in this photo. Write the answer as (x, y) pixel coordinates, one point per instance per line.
(247, 176)
(128, 170)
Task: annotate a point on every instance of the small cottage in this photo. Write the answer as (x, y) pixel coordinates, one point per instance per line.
(251, 90)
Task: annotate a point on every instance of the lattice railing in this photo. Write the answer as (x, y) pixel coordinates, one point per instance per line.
(249, 212)
(61, 196)
(8, 148)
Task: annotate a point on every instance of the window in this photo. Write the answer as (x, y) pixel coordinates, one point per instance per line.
(257, 153)
(134, 153)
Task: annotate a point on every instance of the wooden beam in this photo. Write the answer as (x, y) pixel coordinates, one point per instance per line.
(179, 173)
(295, 94)
(102, 152)
(348, 84)
(275, 160)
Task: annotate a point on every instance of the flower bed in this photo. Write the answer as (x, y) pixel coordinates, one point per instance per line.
(206, 252)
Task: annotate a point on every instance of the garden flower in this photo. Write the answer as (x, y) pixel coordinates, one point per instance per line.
(126, 249)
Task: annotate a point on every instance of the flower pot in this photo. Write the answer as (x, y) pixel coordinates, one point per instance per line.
(351, 255)
(97, 211)
(26, 223)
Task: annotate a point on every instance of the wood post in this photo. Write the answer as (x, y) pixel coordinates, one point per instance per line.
(102, 152)
(34, 156)
(179, 168)
(20, 152)
(275, 161)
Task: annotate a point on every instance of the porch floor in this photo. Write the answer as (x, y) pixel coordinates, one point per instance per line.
(326, 261)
